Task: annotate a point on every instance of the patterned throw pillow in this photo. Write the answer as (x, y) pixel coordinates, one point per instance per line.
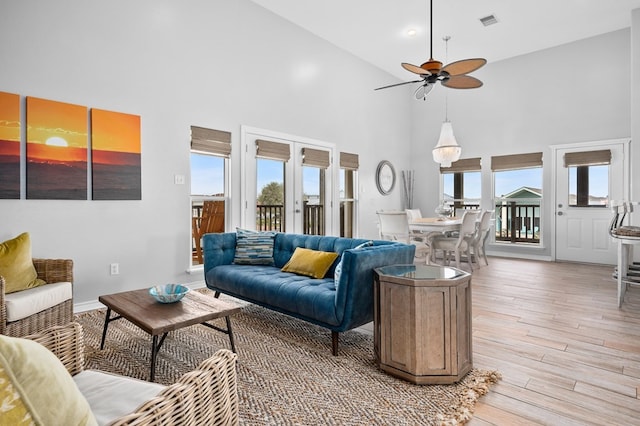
(254, 248)
(338, 270)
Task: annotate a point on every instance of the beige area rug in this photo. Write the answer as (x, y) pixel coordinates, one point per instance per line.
(286, 373)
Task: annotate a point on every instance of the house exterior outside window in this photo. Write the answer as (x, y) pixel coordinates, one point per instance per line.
(518, 198)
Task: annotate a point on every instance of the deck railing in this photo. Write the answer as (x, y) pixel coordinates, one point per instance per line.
(517, 222)
(270, 217)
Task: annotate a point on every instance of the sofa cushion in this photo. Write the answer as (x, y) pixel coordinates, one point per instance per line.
(16, 265)
(111, 396)
(311, 263)
(25, 303)
(42, 384)
(304, 297)
(253, 248)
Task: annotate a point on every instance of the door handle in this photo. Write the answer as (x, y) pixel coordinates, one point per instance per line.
(560, 213)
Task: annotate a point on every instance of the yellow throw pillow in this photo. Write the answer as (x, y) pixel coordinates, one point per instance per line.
(311, 263)
(36, 381)
(16, 265)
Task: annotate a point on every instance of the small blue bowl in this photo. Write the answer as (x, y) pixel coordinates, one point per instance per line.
(168, 293)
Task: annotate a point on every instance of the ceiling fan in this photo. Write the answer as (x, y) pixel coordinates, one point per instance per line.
(453, 75)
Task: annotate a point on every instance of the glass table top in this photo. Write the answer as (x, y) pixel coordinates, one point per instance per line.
(421, 272)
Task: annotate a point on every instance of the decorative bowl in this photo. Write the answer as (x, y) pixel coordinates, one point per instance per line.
(168, 293)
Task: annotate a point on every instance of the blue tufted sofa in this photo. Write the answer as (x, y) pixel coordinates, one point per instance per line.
(341, 307)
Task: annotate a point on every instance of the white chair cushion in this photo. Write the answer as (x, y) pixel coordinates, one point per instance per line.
(111, 396)
(22, 304)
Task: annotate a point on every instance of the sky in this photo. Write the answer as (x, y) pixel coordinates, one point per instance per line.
(508, 181)
(207, 178)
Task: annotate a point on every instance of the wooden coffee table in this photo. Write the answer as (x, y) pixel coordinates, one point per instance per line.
(155, 318)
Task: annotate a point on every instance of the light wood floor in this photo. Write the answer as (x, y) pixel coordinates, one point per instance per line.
(568, 355)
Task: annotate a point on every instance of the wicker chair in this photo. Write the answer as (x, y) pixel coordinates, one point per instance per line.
(51, 271)
(206, 396)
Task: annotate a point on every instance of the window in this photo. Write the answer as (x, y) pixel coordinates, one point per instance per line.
(349, 164)
(271, 159)
(517, 183)
(461, 184)
(314, 165)
(210, 151)
(588, 178)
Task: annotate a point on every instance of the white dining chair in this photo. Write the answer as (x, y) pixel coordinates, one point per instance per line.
(394, 226)
(479, 239)
(459, 244)
(412, 215)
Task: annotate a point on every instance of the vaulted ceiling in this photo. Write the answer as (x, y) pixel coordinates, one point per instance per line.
(377, 30)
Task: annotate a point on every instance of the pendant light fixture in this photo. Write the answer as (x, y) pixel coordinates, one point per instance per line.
(447, 150)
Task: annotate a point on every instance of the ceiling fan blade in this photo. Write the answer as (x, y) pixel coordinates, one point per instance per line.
(422, 91)
(397, 84)
(462, 82)
(464, 66)
(415, 69)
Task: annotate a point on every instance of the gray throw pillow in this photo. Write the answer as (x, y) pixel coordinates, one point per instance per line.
(338, 271)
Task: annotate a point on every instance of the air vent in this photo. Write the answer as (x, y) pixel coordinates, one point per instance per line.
(489, 20)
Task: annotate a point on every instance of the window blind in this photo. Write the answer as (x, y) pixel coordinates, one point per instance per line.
(272, 150)
(516, 161)
(211, 141)
(349, 161)
(587, 158)
(463, 165)
(315, 157)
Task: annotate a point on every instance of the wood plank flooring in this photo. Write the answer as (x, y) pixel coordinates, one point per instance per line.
(568, 355)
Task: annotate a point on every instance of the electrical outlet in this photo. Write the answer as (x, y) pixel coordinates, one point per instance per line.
(178, 179)
(115, 268)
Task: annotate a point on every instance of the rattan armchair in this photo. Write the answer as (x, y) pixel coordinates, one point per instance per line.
(51, 271)
(205, 396)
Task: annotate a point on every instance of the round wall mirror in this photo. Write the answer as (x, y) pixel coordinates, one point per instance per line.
(385, 177)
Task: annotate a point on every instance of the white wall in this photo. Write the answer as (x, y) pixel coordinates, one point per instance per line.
(635, 105)
(571, 93)
(212, 63)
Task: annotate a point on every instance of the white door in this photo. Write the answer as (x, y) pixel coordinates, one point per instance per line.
(305, 204)
(582, 213)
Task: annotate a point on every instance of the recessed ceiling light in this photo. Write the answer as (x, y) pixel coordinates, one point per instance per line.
(412, 32)
(489, 20)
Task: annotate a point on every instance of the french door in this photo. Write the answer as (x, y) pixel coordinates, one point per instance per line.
(287, 183)
(587, 178)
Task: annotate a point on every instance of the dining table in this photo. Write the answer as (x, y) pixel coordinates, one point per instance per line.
(427, 225)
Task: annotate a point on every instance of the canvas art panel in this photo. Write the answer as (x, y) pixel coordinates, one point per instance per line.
(115, 155)
(57, 144)
(10, 129)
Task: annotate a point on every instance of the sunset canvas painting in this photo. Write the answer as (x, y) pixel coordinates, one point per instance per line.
(115, 152)
(56, 150)
(9, 146)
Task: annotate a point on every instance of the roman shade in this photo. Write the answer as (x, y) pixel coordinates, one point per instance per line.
(272, 150)
(349, 161)
(587, 158)
(315, 158)
(516, 161)
(211, 141)
(463, 165)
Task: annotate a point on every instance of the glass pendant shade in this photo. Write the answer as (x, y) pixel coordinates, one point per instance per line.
(447, 150)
